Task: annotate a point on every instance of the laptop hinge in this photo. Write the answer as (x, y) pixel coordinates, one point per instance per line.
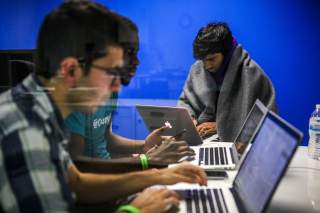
(235, 154)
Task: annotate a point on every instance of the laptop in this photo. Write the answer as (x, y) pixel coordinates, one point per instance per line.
(156, 116)
(262, 169)
(210, 156)
(229, 155)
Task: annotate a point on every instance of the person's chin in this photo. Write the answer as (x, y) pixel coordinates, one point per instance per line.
(131, 74)
(126, 81)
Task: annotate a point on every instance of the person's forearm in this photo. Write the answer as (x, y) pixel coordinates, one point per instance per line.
(93, 188)
(118, 165)
(118, 144)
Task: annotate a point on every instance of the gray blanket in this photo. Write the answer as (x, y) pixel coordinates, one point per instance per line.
(244, 82)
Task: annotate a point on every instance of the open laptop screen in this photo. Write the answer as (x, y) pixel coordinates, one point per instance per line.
(253, 120)
(263, 167)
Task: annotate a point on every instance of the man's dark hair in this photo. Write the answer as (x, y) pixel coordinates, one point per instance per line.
(214, 38)
(80, 29)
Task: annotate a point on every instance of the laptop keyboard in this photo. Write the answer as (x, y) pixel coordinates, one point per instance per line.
(215, 156)
(204, 200)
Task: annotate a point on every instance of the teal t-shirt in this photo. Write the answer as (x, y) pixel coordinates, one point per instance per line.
(92, 127)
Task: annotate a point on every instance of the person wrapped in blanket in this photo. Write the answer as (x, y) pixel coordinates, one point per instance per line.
(223, 83)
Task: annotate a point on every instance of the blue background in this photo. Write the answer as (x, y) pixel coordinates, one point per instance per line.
(282, 37)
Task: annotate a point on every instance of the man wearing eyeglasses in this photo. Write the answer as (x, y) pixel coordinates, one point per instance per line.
(91, 133)
(77, 52)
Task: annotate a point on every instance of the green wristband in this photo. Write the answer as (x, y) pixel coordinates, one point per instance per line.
(128, 208)
(144, 161)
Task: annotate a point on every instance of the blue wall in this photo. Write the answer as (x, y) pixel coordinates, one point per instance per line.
(282, 36)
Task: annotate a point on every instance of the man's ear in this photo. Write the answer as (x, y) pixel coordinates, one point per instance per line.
(70, 71)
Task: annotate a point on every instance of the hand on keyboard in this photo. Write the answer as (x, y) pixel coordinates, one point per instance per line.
(184, 172)
(156, 200)
(207, 129)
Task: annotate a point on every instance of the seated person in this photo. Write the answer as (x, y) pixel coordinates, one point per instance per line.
(91, 133)
(78, 60)
(223, 83)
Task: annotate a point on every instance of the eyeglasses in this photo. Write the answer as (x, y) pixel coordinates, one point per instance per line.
(86, 65)
(116, 71)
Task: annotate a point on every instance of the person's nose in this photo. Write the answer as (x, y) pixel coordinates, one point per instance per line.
(206, 65)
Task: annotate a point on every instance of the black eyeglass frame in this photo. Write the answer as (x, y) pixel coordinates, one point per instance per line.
(116, 72)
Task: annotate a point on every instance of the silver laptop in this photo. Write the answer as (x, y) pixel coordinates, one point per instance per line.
(156, 116)
(258, 177)
(228, 155)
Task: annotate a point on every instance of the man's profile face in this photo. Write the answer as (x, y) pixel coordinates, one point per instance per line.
(131, 58)
(131, 61)
(94, 89)
(213, 62)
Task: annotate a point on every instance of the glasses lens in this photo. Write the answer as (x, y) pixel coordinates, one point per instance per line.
(118, 72)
